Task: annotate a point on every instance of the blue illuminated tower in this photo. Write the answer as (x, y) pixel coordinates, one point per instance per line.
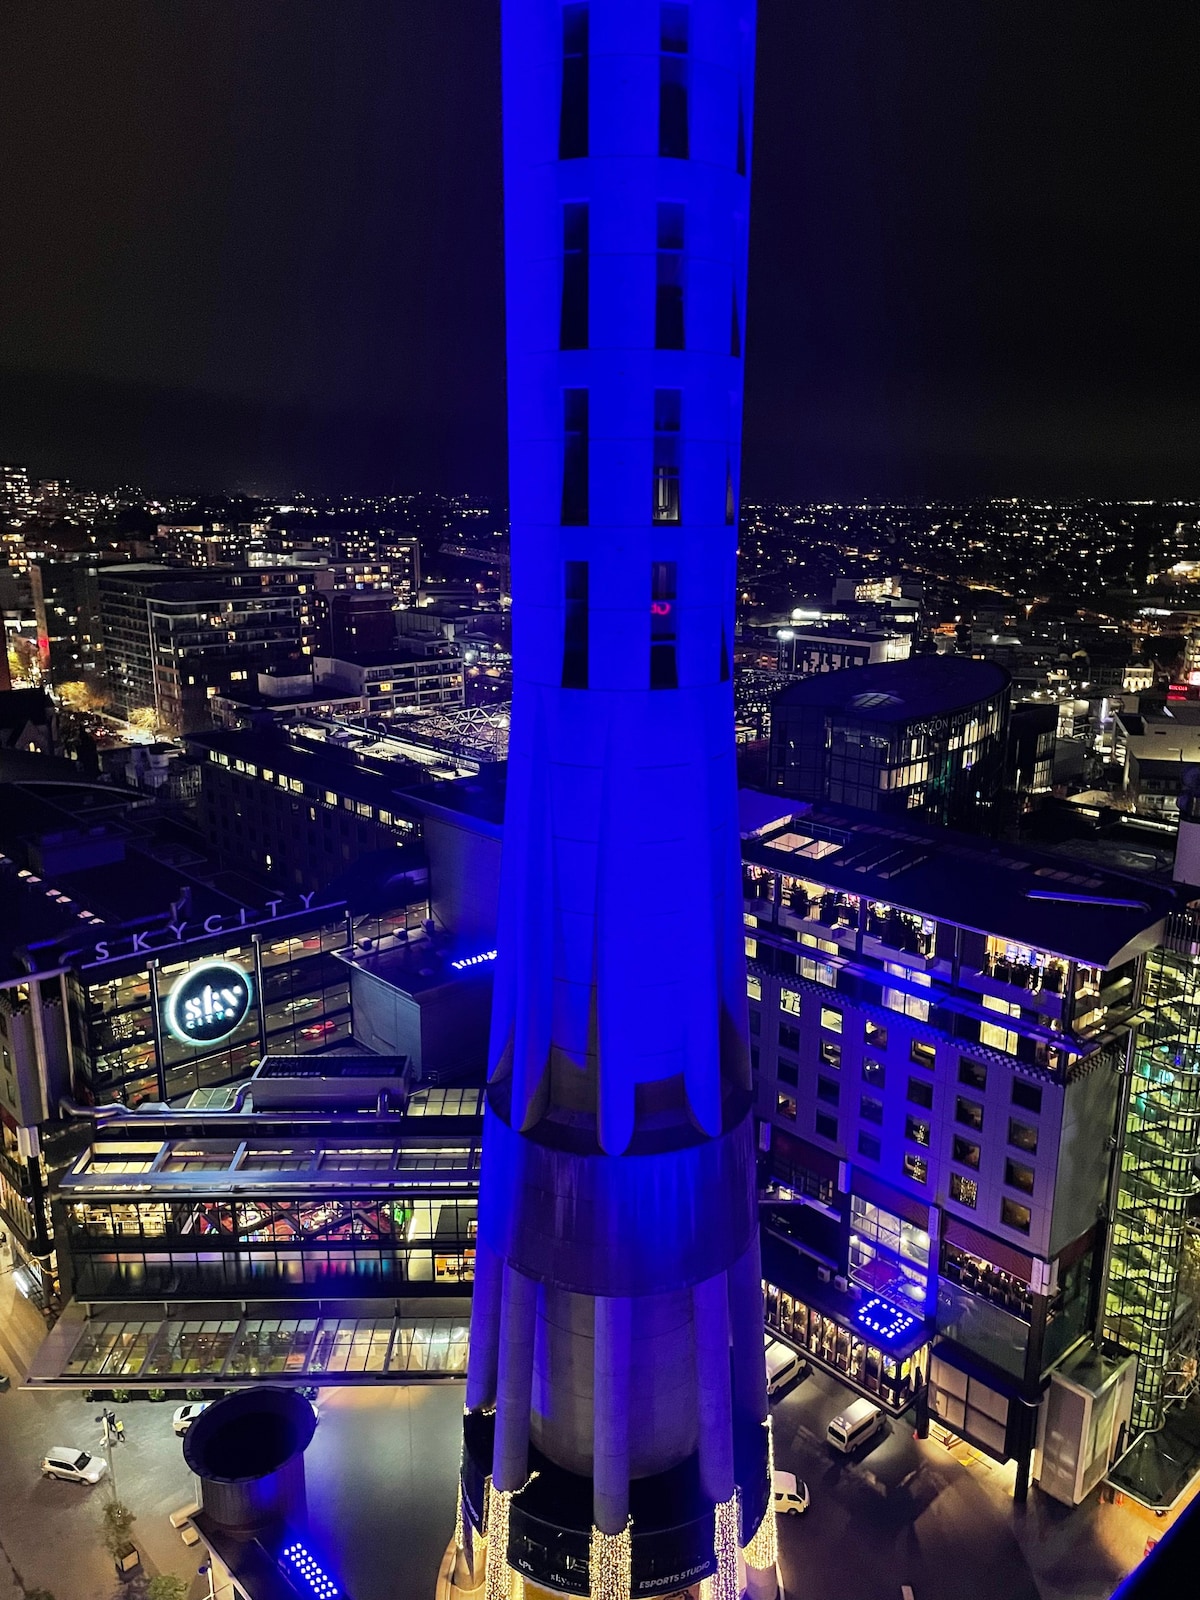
(616, 1437)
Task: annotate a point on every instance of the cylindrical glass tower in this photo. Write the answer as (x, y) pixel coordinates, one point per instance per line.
(616, 1437)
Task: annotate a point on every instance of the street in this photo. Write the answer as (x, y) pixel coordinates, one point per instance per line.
(381, 1484)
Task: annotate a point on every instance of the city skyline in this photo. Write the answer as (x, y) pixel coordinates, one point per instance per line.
(990, 300)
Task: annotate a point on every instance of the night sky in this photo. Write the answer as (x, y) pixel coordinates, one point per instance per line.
(256, 244)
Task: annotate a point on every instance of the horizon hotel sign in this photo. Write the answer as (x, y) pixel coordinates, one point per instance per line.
(208, 1002)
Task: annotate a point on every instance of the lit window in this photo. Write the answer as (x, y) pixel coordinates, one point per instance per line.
(874, 1072)
(789, 1001)
(785, 1107)
(964, 1190)
(1018, 1176)
(831, 1054)
(667, 413)
(916, 1167)
(830, 1019)
(916, 1130)
(1014, 1215)
(922, 1054)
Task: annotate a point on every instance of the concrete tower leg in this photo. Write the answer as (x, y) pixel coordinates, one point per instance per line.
(611, 1458)
(514, 1381)
(711, 1333)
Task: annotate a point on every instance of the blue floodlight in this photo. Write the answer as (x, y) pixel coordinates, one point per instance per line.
(886, 1322)
(306, 1573)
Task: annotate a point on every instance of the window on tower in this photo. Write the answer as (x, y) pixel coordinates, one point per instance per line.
(735, 332)
(668, 310)
(573, 329)
(664, 672)
(741, 134)
(673, 80)
(730, 497)
(575, 457)
(573, 117)
(575, 625)
(667, 410)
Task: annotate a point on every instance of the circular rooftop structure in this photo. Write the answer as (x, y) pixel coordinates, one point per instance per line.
(247, 1452)
(899, 691)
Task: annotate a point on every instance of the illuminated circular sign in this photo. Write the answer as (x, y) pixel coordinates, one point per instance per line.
(208, 1002)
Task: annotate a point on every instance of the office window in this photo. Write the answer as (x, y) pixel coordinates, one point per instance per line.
(664, 672)
(789, 1038)
(575, 458)
(667, 418)
(965, 1153)
(1026, 1095)
(868, 1146)
(827, 1090)
(673, 81)
(788, 1072)
(1022, 1137)
(826, 1127)
(785, 1107)
(831, 1054)
(964, 1190)
(573, 114)
(1018, 1176)
(870, 1109)
(922, 1054)
(575, 625)
(735, 333)
(875, 1034)
(789, 1001)
(874, 1072)
(969, 1113)
(830, 1019)
(1014, 1215)
(573, 325)
(920, 1092)
(916, 1167)
(668, 308)
(972, 1073)
(916, 1130)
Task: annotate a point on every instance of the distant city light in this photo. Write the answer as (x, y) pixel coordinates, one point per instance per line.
(886, 1322)
(473, 961)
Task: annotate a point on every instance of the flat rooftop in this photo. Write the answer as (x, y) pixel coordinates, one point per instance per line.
(899, 691)
(1071, 908)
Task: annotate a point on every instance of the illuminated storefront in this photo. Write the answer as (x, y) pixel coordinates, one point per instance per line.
(881, 1350)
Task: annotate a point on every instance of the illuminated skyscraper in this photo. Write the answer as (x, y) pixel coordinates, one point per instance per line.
(616, 1436)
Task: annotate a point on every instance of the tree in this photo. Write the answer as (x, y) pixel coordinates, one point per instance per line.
(166, 1586)
(81, 696)
(144, 719)
(116, 1520)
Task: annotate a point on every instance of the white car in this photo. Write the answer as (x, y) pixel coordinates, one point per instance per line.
(76, 1466)
(789, 1494)
(186, 1415)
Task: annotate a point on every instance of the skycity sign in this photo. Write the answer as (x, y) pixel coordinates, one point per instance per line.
(208, 1002)
(183, 932)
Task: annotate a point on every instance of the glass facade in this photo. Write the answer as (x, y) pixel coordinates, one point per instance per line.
(347, 1244)
(125, 1052)
(895, 1380)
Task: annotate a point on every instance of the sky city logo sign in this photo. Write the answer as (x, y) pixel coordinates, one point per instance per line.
(208, 1002)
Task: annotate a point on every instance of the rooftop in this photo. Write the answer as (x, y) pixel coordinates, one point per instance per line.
(1070, 908)
(899, 691)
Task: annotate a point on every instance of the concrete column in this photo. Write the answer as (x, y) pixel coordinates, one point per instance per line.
(611, 1418)
(514, 1381)
(710, 1322)
(746, 1319)
(485, 1327)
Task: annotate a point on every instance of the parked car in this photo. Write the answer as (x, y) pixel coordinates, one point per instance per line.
(859, 1422)
(186, 1415)
(783, 1364)
(790, 1494)
(73, 1465)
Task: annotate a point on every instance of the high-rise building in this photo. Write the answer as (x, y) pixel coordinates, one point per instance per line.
(611, 1444)
(175, 637)
(923, 738)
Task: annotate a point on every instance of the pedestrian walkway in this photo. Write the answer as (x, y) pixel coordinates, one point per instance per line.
(22, 1325)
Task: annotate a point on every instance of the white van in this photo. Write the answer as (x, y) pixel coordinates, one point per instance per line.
(783, 1364)
(789, 1495)
(854, 1426)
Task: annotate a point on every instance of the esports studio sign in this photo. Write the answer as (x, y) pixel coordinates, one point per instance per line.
(208, 1002)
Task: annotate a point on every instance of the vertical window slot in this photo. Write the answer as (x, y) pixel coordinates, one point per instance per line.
(573, 116)
(664, 672)
(673, 80)
(667, 418)
(575, 625)
(573, 328)
(668, 308)
(575, 457)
